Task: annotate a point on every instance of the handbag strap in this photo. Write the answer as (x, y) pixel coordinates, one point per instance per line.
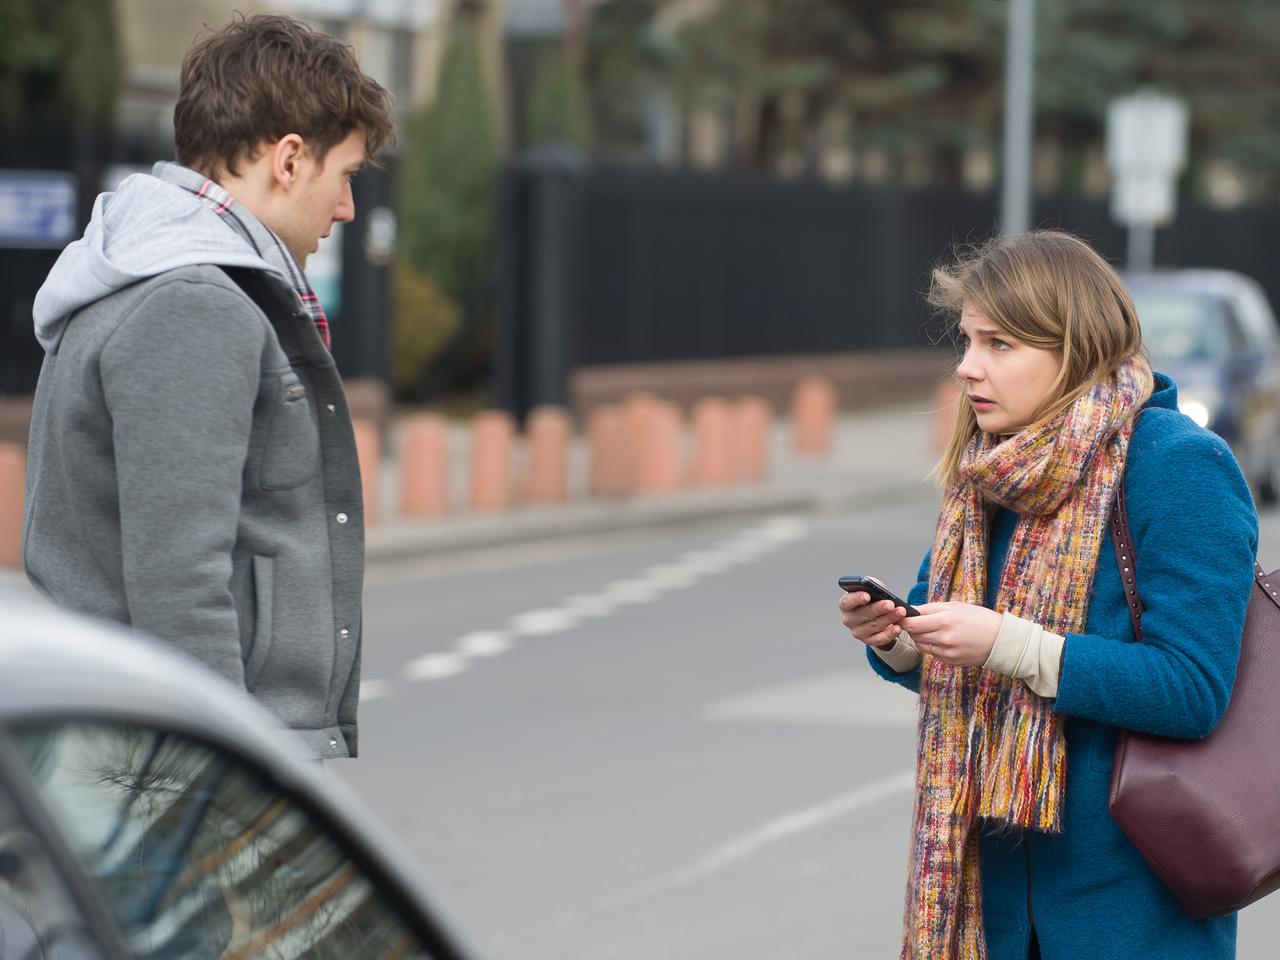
(1127, 562)
(1126, 557)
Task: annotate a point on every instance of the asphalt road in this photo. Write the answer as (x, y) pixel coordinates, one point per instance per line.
(656, 745)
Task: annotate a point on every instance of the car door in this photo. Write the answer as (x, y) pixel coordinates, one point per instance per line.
(198, 852)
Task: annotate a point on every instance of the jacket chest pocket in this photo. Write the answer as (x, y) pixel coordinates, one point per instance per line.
(292, 446)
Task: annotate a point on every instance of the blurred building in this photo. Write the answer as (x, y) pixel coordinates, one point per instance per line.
(398, 42)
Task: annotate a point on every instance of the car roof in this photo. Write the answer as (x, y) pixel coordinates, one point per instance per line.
(57, 664)
(1194, 280)
(54, 660)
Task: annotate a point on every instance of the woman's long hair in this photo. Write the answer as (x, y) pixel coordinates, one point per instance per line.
(1049, 289)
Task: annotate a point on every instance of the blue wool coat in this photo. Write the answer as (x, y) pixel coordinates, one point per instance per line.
(1088, 891)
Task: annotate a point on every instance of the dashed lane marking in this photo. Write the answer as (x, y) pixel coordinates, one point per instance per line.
(649, 585)
(435, 666)
(483, 643)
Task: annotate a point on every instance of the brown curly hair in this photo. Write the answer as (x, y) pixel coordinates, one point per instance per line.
(263, 77)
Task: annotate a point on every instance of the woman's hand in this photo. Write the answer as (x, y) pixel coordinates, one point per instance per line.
(961, 634)
(875, 624)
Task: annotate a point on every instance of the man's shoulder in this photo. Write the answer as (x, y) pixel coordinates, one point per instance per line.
(198, 290)
(209, 278)
(199, 301)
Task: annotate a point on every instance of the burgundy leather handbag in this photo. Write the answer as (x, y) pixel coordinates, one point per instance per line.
(1206, 813)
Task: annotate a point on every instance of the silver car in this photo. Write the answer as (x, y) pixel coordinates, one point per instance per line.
(1214, 332)
(149, 810)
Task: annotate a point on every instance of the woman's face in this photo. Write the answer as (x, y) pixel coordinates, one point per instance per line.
(1007, 381)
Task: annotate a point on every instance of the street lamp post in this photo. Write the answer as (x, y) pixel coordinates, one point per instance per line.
(1019, 85)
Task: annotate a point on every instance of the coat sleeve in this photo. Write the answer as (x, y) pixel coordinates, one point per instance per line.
(918, 594)
(1196, 539)
(180, 380)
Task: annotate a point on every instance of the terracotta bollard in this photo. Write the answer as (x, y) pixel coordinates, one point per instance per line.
(712, 459)
(13, 470)
(609, 472)
(549, 432)
(424, 467)
(369, 453)
(945, 397)
(661, 460)
(751, 428)
(492, 439)
(638, 412)
(813, 415)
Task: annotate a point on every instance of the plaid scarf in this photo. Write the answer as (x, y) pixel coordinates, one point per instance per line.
(989, 748)
(254, 232)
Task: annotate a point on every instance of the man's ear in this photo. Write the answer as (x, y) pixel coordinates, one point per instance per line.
(286, 160)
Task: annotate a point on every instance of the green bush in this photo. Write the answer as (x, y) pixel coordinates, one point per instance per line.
(558, 102)
(424, 320)
(445, 197)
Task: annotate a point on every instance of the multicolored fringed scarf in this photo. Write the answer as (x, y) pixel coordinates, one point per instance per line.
(989, 748)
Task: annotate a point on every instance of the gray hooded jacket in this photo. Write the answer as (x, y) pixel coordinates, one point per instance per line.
(192, 471)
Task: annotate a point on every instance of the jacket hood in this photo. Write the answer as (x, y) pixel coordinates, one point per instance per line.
(146, 227)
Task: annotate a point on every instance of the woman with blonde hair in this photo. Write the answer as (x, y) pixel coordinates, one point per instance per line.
(1023, 653)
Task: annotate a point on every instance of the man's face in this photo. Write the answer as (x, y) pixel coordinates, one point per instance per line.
(322, 196)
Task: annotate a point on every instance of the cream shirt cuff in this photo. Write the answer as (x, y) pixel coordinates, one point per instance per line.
(904, 657)
(1029, 652)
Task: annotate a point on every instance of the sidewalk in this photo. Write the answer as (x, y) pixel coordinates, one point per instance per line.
(877, 456)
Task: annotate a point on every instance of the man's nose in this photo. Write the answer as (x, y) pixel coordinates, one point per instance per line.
(346, 210)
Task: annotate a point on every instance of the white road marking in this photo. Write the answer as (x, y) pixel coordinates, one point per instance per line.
(669, 576)
(374, 690)
(435, 666)
(483, 643)
(589, 605)
(630, 591)
(540, 623)
(648, 586)
(782, 828)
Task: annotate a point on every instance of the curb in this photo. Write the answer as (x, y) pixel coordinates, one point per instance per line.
(421, 539)
(426, 539)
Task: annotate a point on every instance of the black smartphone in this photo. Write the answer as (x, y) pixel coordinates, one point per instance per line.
(867, 585)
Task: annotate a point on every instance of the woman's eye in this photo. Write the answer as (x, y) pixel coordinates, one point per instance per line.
(1000, 344)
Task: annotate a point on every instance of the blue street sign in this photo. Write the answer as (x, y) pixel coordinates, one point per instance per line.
(37, 208)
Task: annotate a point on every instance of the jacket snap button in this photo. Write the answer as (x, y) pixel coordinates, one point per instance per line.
(333, 743)
(344, 633)
(342, 518)
(331, 408)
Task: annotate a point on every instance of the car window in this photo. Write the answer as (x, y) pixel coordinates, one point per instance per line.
(1179, 326)
(198, 857)
(39, 919)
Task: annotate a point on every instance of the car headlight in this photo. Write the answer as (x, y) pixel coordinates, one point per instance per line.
(1198, 410)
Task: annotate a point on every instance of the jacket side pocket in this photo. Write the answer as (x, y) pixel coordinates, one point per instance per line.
(263, 585)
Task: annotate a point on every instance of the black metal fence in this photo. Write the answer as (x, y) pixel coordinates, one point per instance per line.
(607, 264)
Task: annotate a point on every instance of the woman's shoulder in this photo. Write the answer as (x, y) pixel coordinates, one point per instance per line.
(1161, 433)
(1169, 452)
